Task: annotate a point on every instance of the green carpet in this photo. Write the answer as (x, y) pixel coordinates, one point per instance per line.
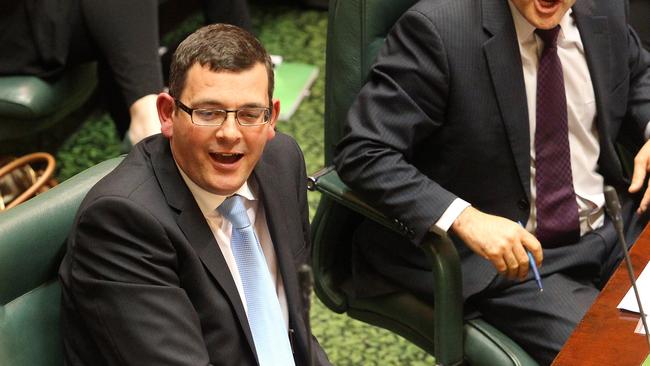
(298, 35)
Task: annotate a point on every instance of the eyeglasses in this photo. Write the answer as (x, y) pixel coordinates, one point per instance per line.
(249, 116)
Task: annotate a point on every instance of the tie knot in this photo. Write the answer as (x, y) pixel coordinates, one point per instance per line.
(549, 36)
(233, 210)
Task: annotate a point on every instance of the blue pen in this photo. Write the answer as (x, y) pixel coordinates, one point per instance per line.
(533, 266)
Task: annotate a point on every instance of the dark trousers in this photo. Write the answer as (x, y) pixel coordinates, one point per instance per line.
(540, 322)
(572, 276)
(123, 36)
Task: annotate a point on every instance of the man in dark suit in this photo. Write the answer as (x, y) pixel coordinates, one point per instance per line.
(154, 273)
(475, 124)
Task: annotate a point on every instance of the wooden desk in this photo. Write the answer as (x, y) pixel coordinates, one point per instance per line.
(605, 336)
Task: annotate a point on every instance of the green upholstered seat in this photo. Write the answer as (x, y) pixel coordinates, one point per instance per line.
(32, 244)
(440, 329)
(357, 29)
(29, 104)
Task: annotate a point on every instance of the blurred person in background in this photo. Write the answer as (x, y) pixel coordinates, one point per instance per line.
(43, 38)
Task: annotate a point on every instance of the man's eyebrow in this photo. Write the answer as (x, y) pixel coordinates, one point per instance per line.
(211, 103)
(206, 103)
(253, 105)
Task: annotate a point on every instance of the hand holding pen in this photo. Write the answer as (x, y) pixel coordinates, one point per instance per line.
(500, 241)
(533, 267)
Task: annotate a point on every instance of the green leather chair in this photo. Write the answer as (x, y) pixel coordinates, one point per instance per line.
(32, 244)
(29, 105)
(357, 29)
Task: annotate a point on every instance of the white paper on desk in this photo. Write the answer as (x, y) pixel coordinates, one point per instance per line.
(643, 285)
(639, 327)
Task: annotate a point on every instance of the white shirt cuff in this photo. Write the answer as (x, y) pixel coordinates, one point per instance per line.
(449, 216)
(646, 134)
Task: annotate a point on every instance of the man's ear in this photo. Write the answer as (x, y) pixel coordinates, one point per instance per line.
(165, 106)
(275, 113)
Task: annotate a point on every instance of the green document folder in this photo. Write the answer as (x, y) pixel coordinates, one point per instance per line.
(292, 83)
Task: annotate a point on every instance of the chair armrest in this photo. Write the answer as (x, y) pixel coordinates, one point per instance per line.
(448, 298)
(441, 253)
(327, 182)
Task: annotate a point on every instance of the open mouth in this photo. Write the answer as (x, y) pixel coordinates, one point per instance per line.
(226, 158)
(548, 5)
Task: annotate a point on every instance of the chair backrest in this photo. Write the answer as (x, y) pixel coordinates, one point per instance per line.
(29, 104)
(32, 244)
(356, 31)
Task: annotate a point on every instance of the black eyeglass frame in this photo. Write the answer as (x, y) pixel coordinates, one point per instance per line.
(190, 111)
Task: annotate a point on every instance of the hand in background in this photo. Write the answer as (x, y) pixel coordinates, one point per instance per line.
(499, 240)
(144, 118)
(641, 167)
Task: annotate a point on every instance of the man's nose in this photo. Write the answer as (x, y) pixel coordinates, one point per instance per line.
(229, 129)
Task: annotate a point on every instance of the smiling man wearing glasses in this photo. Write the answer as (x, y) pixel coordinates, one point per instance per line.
(186, 254)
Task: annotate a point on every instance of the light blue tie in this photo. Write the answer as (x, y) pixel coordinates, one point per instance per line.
(264, 314)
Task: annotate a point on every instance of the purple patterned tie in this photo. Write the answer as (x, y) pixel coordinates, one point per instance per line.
(557, 210)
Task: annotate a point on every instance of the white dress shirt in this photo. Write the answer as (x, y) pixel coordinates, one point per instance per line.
(581, 107)
(222, 229)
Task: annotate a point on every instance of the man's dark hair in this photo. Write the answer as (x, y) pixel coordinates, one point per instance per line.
(221, 47)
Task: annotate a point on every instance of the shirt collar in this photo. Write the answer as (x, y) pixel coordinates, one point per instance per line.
(570, 30)
(526, 31)
(208, 201)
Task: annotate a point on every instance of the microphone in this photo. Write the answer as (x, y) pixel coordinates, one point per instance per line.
(613, 208)
(306, 283)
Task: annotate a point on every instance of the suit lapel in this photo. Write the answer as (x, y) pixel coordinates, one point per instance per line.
(283, 234)
(504, 63)
(192, 222)
(595, 35)
(198, 233)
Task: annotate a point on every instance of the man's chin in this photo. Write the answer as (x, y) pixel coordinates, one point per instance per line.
(226, 184)
(546, 22)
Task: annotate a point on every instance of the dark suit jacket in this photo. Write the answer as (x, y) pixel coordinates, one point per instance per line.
(444, 115)
(640, 20)
(144, 281)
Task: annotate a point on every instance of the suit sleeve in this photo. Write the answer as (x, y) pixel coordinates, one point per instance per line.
(403, 102)
(639, 92)
(127, 291)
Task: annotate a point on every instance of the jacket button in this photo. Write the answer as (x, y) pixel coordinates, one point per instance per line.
(523, 204)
